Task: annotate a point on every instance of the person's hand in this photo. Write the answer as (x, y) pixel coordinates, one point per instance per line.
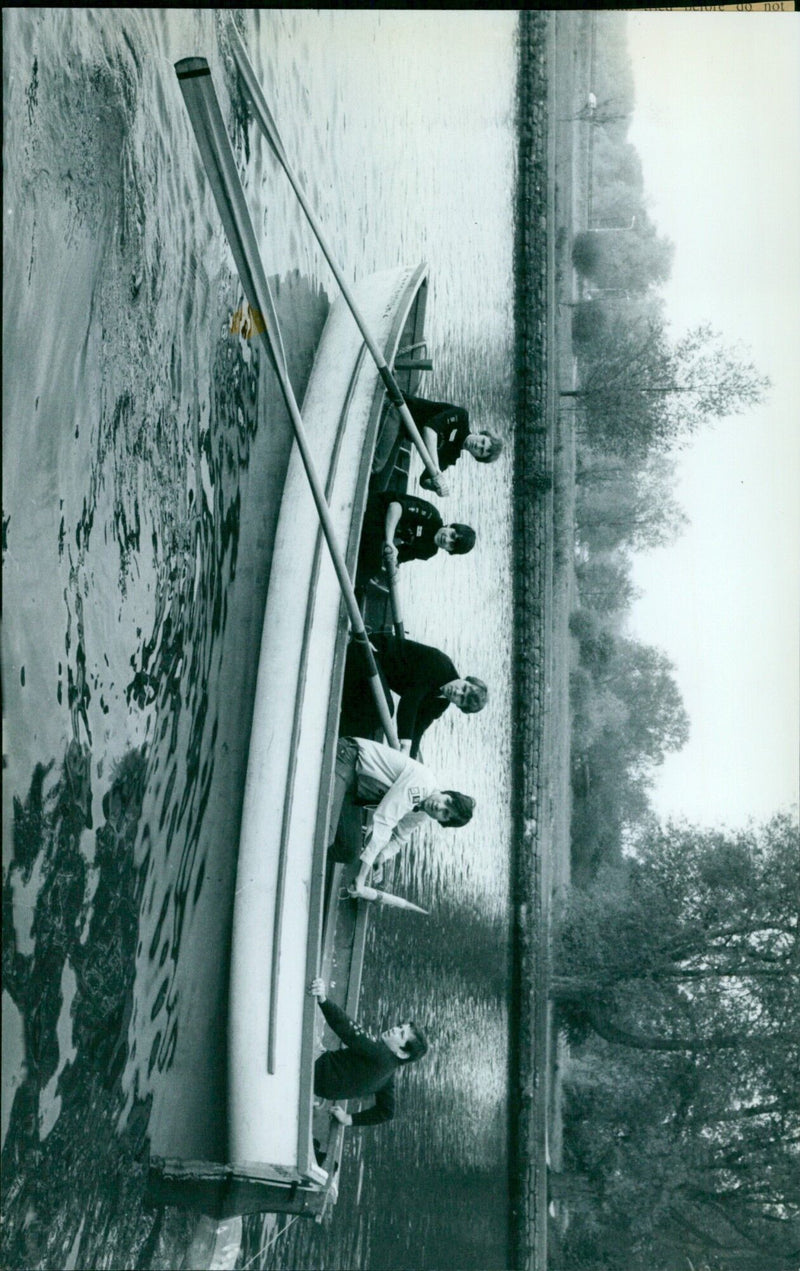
(356, 888)
(390, 556)
(317, 989)
(339, 1114)
(440, 486)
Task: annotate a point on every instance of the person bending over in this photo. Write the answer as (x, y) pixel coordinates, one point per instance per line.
(425, 679)
(403, 527)
(402, 792)
(364, 1065)
(446, 432)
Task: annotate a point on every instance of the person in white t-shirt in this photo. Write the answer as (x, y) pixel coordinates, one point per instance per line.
(403, 793)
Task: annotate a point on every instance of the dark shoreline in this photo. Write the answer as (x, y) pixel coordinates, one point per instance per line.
(532, 529)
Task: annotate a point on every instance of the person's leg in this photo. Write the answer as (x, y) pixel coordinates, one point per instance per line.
(370, 552)
(416, 406)
(359, 716)
(344, 781)
(383, 642)
(322, 1076)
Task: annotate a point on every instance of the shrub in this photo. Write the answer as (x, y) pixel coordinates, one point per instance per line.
(587, 254)
(589, 322)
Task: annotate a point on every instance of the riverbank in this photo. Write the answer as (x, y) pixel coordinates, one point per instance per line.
(543, 598)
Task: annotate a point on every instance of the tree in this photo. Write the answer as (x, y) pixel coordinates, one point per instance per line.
(634, 259)
(619, 503)
(604, 582)
(640, 392)
(655, 1184)
(677, 978)
(691, 945)
(651, 718)
(627, 713)
(641, 676)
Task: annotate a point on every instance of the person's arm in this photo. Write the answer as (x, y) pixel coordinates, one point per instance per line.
(390, 811)
(420, 705)
(392, 824)
(402, 833)
(431, 707)
(408, 712)
(349, 1032)
(394, 514)
(431, 438)
(371, 854)
(443, 423)
(381, 1110)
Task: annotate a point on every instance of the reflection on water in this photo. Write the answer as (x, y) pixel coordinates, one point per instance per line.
(144, 446)
(85, 929)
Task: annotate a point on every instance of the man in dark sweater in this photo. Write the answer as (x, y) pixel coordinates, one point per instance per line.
(403, 527)
(425, 679)
(446, 432)
(364, 1065)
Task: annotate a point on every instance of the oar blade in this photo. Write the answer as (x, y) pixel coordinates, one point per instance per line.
(194, 77)
(398, 902)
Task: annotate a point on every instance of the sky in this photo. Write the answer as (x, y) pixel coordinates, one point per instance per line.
(717, 127)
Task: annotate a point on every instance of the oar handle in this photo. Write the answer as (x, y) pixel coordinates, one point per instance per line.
(270, 129)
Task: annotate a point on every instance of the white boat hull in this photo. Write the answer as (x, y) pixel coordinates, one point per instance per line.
(277, 912)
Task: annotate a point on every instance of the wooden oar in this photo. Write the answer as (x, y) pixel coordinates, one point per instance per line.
(270, 130)
(212, 139)
(394, 599)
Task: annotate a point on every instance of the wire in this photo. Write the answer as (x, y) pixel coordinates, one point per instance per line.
(282, 1232)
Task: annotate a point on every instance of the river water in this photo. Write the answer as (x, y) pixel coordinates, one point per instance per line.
(141, 436)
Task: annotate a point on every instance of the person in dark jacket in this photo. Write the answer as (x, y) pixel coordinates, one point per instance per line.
(446, 432)
(403, 527)
(364, 1065)
(425, 679)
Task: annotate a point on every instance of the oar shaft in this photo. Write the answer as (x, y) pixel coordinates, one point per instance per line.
(270, 130)
(212, 139)
(397, 613)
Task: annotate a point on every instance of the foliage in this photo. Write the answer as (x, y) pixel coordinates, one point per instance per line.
(604, 581)
(589, 322)
(619, 503)
(627, 713)
(586, 254)
(642, 393)
(683, 1113)
(634, 256)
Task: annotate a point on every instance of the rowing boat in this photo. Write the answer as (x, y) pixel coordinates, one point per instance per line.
(285, 830)
(286, 925)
